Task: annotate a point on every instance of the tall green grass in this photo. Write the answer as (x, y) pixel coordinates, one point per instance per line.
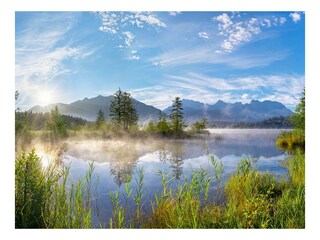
(289, 141)
(43, 198)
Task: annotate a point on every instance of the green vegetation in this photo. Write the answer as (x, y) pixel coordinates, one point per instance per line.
(176, 116)
(251, 200)
(299, 115)
(199, 126)
(100, 119)
(43, 199)
(122, 111)
(291, 140)
(56, 124)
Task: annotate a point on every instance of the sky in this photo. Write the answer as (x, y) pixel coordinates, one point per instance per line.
(156, 56)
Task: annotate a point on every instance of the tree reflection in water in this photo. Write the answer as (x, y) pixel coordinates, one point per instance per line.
(122, 172)
(122, 169)
(174, 156)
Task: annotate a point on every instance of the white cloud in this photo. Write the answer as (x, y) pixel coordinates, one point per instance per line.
(265, 23)
(150, 19)
(296, 17)
(225, 22)
(134, 57)
(282, 20)
(108, 29)
(237, 31)
(129, 38)
(121, 23)
(113, 22)
(204, 35)
(138, 23)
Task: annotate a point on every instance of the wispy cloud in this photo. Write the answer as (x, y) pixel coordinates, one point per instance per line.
(209, 55)
(204, 35)
(283, 88)
(40, 56)
(174, 13)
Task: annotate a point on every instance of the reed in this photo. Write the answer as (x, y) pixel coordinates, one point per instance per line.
(43, 198)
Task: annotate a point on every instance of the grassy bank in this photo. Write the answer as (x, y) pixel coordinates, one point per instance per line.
(291, 140)
(249, 199)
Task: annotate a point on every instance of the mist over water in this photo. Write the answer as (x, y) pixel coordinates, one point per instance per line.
(116, 161)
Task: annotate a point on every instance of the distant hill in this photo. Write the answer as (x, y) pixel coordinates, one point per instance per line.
(88, 108)
(232, 112)
(254, 111)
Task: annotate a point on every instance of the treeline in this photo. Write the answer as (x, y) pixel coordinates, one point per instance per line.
(275, 122)
(29, 121)
(123, 118)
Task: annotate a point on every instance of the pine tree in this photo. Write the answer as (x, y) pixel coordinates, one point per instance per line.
(122, 111)
(176, 116)
(100, 119)
(116, 108)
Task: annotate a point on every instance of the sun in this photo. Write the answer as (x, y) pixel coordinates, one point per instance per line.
(45, 97)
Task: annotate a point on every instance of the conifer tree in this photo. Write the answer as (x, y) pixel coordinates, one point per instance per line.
(176, 116)
(122, 111)
(100, 119)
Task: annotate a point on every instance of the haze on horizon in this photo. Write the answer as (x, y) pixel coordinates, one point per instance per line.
(203, 56)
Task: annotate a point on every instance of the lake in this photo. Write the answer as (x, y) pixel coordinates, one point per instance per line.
(117, 161)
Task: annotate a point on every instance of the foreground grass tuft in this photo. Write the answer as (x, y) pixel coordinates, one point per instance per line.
(43, 199)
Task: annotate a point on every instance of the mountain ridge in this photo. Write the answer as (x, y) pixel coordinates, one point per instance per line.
(255, 110)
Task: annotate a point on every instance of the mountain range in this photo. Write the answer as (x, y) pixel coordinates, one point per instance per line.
(232, 112)
(88, 108)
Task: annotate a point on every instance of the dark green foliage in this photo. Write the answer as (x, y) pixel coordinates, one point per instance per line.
(299, 115)
(160, 127)
(163, 126)
(122, 111)
(56, 124)
(176, 116)
(100, 119)
(199, 126)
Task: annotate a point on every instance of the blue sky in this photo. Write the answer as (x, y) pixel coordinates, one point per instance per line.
(204, 56)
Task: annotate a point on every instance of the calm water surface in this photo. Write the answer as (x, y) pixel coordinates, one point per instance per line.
(117, 161)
